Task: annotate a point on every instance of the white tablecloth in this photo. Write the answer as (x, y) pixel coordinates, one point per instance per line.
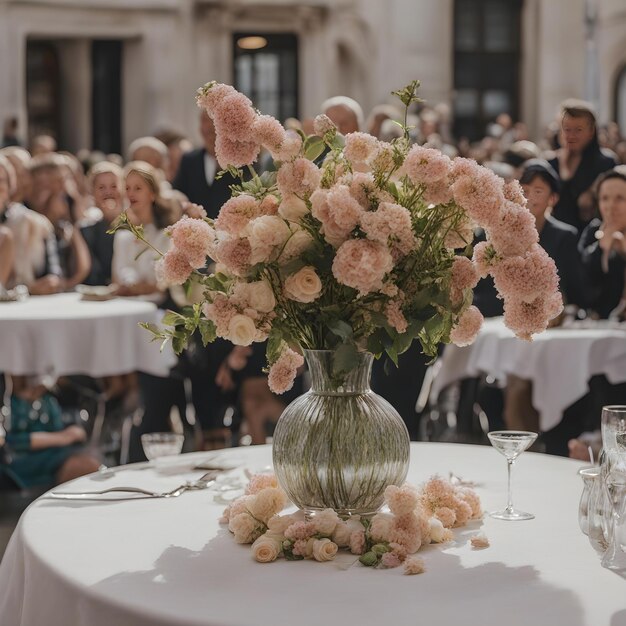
(559, 362)
(62, 334)
(169, 562)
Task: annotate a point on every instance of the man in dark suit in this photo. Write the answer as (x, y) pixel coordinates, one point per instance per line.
(196, 176)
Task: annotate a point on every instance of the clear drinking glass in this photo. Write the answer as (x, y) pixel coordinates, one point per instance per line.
(511, 443)
(589, 475)
(614, 428)
(156, 445)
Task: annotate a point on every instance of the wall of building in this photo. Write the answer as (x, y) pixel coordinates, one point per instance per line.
(361, 48)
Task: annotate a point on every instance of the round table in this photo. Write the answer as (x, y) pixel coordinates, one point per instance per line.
(559, 362)
(62, 334)
(169, 562)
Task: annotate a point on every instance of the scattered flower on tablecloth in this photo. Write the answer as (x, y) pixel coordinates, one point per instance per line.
(387, 540)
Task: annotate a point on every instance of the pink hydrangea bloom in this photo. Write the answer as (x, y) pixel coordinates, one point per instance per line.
(414, 565)
(481, 195)
(395, 316)
(234, 117)
(381, 527)
(269, 205)
(283, 371)
(362, 265)
(464, 275)
(514, 232)
(220, 311)
(514, 193)
(357, 542)
(268, 132)
(485, 258)
(471, 497)
(236, 153)
(439, 192)
(258, 482)
(194, 238)
(322, 124)
(174, 267)
(343, 209)
(426, 165)
(391, 225)
(360, 147)
(300, 530)
(401, 500)
(446, 516)
(234, 254)
(464, 333)
(479, 541)
(390, 560)
(236, 214)
(406, 531)
(320, 209)
(464, 167)
(362, 187)
(300, 177)
(290, 148)
(212, 94)
(528, 277)
(528, 318)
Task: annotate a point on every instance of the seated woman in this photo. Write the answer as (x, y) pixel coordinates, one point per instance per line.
(603, 246)
(106, 182)
(41, 448)
(135, 275)
(36, 260)
(7, 255)
(74, 255)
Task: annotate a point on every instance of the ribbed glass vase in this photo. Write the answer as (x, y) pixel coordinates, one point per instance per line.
(339, 445)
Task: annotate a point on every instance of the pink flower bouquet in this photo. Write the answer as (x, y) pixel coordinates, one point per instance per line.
(352, 244)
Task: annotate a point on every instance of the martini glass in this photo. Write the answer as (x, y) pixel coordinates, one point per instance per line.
(511, 443)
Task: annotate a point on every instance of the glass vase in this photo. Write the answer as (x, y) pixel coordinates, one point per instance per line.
(339, 445)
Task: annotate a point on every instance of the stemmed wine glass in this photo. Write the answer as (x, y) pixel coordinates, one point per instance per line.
(511, 443)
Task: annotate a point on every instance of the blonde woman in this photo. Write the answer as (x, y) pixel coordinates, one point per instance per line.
(135, 275)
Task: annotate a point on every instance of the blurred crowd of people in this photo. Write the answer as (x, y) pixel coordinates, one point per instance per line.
(56, 209)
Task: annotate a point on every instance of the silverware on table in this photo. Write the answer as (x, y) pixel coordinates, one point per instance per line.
(137, 493)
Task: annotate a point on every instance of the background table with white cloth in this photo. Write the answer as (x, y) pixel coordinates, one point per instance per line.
(559, 362)
(169, 562)
(63, 334)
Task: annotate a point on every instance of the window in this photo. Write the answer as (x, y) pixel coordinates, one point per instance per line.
(486, 63)
(42, 89)
(266, 70)
(106, 99)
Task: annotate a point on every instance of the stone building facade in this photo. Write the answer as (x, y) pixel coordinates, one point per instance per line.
(100, 73)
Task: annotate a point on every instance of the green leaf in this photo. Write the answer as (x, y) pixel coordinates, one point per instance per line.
(341, 329)
(207, 331)
(314, 147)
(171, 318)
(345, 359)
(274, 345)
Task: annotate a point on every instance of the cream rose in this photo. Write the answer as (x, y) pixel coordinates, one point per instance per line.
(241, 330)
(298, 243)
(324, 550)
(266, 549)
(293, 209)
(303, 286)
(261, 296)
(437, 530)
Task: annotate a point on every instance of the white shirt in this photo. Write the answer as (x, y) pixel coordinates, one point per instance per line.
(210, 168)
(129, 270)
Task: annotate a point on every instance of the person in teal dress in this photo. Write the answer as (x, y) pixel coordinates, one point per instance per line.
(40, 447)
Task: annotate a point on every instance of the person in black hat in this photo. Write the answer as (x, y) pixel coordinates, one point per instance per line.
(541, 186)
